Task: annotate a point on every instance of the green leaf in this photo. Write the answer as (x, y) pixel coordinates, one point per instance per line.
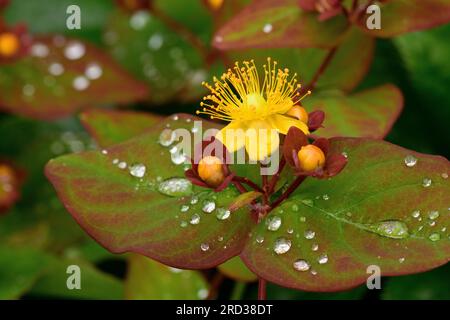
(109, 127)
(268, 23)
(364, 216)
(431, 285)
(19, 269)
(236, 269)
(402, 16)
(94, 283)
(369, 113)
(63, 76)
(150, 280)
(126, 213)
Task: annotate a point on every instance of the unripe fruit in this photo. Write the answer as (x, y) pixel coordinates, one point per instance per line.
(299, 113)
(9, 44)
(311, 158)
(210, 170)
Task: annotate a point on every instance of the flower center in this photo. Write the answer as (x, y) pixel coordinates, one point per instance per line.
(9, 44)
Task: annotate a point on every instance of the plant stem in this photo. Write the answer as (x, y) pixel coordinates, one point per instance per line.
(262, 289)
(325, 63)
(215, 284)
(249, 182)
(288, 192)
(274, 180)
(239, 186)
(238, 290)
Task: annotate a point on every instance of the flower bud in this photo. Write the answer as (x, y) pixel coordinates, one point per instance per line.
(299, 113)
(215, 4)
(210, 170)
(311, 158)
(9, 44)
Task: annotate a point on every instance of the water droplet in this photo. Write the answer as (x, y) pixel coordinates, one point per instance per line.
(433, 215)
(56, 69)
(155, 42)
(175, 118)
(39, 50)
(391, 228)
(220, 238)
(309, 234)
(80, 83)
(195, 219)
(115, 161)
(345, 154)
(415, 214)
(194, 200)
(74, 51)
(137, 170)
(322, 259)
(426, 182)
(28, 90)
(313, 272)
(282, 246)
(432, 223)
(183, 224)
(325, 197)
(302, 219)
(104, 151)
(139, 20)
(175, 187)
(93, 71)
(203, 294)
(301, 265)
(223, 214)
(401, 260)
(259, 239)
(294, 208)
(204, 247)
(444, 175)
(444, 229)
(290, 231)
(267, 28)
(184, 208)
(315, 247)
(178, 158)
(122, 165)
(167, 137)
(434, 237)
(209, 206)
(410, 161)
(273, 223)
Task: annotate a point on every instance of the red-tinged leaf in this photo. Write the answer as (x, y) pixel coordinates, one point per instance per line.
(150, 280)
(109, 127)
(366, 215)
(243, 200)
(400, 16)
(9, 186)
(280, 23)
(128, 213)
(62, 76)
(237, 270)
(370, 113)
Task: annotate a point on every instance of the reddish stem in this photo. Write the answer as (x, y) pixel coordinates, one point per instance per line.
(326, 61)
(274, 180)
(239, 186)
(249, 182)
(294, 185)
(262, 294)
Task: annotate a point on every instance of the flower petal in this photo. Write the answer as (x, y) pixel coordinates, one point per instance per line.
(283, 123)
(261, 140)
(232, 136)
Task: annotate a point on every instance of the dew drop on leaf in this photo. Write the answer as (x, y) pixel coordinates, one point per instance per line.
(282, 245)
(183, 224)
(415, 214)
(391, 228)
(175, 187)
(204, 247)
(309, 234)
(434, 237)
(314, 247)
(433, 214)
(39, 50)
(202, 293)
(267, 28)
(167, 137)
(209, 206)
(80, 83)
(223, 214)
(426, 182)
(93, 71)
(301, 265)
(410, 161)
(294, 207)
(260, 239)
(273, 223)
(322, 259)
(74, 50)
(137, 170)
(195, 219)
(184, 208)
(122, 165)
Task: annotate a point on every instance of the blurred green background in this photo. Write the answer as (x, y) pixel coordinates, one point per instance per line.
(39, 239)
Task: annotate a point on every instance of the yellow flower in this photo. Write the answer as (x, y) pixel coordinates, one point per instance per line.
(257, 112)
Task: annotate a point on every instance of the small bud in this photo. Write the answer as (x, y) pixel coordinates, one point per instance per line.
(311, 158)
(210, 170)
(215, 4)
(299, 113)
(9, 44)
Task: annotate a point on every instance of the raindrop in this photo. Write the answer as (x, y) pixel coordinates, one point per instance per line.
(167, 137)
(195, 219)
(415, 214)
(122, 165)
(273, 223)
(80, 83)
(294, 207)
(290, 231)
(267, 28)
(194, 200)
(345, 154)
(115, 161)
(175, 118)
(301, 265)
(259, 239)
(74, 51)
(183, 224)
(223, 214)
(175, 187)
(204, 247)
(434, 236)
(93, 71)
(177, 158)
(28, 90)
(433, 215)
(444, 175)
(209, 206)
(282, 246)
(313, 272)
(155, 42)
(322, 259)
(391, 228)
(184, 208)
(426, 182)
(138, 170)
(432, 223)
(220, 239)
(325, 197)
(56, 69)
(309, 234)
(203, 293)
(139, 20)
(410, 161)
(315, 247)
(39, 50)
(105, 152)
(302, 219)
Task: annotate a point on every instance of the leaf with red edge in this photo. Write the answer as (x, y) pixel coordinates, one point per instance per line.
(109, 127)
(369, 113)
(364, 216)
(62, 76)
(280, 23)
(400, 16)
(127, 213)
(10, 180)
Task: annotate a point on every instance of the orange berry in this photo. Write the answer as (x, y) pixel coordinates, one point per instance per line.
(9, 44)
(215, 4)
(211, 171)
(299, 113)
(311, 158)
